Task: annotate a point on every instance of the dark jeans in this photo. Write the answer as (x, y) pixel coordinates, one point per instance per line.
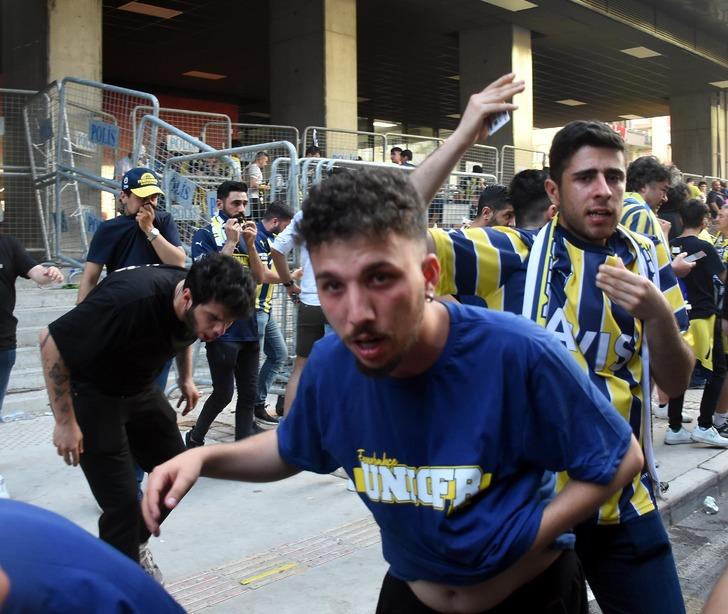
(630, 567)
(7, 360)
(116, 432)
(558, 590)
(713, 385)
(231, 364)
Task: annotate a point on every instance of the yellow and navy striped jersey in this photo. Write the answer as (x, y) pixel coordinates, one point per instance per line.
(604, 339)
(463, 274)
(638, 217)
(721, 246)
(264, 292)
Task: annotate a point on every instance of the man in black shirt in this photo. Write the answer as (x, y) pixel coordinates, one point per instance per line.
(704, 330)
(15, 262)
(100, 361)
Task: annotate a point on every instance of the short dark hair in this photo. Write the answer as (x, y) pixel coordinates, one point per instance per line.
(693, 213)
(644, 171)
(219, 278)
(677, 196)
(395, 149)
(278, 209)
(407, 153)
(261, 154)
(575, 135)
(312, 150)
(224, 189)
(703, 182)
(494, 196)
(366, 203)
(689, 179)
(529, 197)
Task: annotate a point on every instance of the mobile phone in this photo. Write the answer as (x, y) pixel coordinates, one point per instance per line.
(695, 256)
(497, 121)
(241, 218)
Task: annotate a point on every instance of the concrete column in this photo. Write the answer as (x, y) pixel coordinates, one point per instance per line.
(74, 39)
(313, 63)
(485, 55)
(698, 126)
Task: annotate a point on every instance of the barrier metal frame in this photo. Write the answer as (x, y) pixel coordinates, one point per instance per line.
(325, 131)
(234, 125)
(513, 148)
(219, 119)
(73, 174)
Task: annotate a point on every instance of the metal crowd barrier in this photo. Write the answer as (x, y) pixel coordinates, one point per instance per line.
(346, 144)
(515, 159)
(17, 197)
(190, 122)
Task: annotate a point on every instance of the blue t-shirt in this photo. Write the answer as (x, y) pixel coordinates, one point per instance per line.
(210, 240)
(120, 242)
(55, 566)
(455, 489)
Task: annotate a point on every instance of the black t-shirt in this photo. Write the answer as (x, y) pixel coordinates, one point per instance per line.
(120, 242)
(119, 338)
(699, 282)
(14, 262)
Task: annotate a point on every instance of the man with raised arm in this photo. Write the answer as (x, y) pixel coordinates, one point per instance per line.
(592, 283)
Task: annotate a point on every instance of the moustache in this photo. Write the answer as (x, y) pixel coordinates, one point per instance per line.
(365, 330)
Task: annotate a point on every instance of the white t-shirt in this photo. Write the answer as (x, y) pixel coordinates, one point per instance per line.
(284, 243)
(254, 173)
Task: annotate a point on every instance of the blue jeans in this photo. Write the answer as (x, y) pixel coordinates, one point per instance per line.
(630, 567)
(7, 360)
(275, 349)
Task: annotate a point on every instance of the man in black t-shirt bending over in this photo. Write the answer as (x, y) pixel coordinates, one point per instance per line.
(100, 361)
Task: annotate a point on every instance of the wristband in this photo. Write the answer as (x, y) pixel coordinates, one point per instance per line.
(288, 284)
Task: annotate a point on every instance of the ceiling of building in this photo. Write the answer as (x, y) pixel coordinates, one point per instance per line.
(408, 54)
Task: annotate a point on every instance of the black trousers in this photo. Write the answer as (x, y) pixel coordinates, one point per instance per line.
(231, 364)
(116, 432)
(713, 386)
(560, 589)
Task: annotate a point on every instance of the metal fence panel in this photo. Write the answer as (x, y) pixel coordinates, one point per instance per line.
(250, 134)
(93, 139)
(451, 207)
(346, 144)
(18, 210)
(515, 159)
(193, 123)
(186, 183)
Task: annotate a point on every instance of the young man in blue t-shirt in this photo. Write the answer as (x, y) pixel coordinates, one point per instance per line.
(465, 524)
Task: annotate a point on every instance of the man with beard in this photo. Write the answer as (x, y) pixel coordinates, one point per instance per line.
(463, 525)
(100, 361)
(598, 288)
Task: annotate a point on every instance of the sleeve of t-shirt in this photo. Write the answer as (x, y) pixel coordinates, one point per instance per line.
(300, 435)
(477, 261)
(101, 246)
(286, 240)
(168, 229)
(21, 259)
(202, 243)
(570, 425)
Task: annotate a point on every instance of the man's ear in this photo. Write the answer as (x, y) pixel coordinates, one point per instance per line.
(187, 297)
(431, 272)
(553, 191)
(218, 202)
(486, 214)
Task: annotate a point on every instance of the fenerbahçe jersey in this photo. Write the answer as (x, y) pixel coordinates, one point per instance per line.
(604, 339)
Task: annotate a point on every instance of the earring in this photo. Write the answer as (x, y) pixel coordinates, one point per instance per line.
(429, 297)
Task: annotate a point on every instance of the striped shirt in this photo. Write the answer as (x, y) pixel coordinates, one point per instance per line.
(604, 339)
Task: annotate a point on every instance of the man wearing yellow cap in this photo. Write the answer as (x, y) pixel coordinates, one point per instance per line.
(143, 235)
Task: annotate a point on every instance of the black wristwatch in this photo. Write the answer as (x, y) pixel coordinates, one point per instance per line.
(288, 284)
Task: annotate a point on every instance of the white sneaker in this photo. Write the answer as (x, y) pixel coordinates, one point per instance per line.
(147, 563)
(660, 412)
(682, 436)
(709, 436)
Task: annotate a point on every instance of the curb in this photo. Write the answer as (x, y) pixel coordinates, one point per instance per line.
(687, 491)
